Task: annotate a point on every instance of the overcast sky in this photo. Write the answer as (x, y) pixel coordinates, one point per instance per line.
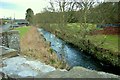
(9, 8)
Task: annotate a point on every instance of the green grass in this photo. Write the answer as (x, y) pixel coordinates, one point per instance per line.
(72, 33)
(23, 30)
(109, 41)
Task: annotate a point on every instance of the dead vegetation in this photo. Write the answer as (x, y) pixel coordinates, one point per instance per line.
(34, 46)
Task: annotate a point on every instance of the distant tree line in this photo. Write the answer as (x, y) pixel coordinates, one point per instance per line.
(62, 12)
(106, 12)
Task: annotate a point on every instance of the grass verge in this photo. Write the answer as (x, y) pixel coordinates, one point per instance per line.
(23, 30)
(34, 46)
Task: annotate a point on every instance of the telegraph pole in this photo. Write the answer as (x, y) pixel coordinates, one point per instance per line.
(14, 16)
(1, 21)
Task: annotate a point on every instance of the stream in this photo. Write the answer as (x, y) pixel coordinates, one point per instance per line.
(73, 56)
(22, 66)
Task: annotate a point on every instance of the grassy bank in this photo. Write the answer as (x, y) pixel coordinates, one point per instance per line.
(72, 33)
(23, 30)
(110, 42)
(34, 46)
(103, 47)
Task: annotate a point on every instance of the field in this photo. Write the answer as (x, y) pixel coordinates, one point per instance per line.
(73, 33)
(109, 41)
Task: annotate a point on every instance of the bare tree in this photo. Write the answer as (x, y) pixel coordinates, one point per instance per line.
(61, 6)
(83, 8)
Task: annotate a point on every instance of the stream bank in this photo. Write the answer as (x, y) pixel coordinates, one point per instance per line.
(70, 35)
(85, 63)
(33, 45)
(23, 67)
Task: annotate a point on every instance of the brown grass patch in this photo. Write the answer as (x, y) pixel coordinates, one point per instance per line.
(34, 46)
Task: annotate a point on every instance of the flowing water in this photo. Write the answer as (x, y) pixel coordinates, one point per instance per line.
(24, 67)
(73, 56)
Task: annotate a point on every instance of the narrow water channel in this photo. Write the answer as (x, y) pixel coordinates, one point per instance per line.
(72, 55)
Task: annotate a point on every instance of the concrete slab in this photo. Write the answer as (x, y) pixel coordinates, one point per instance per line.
(7, 52)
